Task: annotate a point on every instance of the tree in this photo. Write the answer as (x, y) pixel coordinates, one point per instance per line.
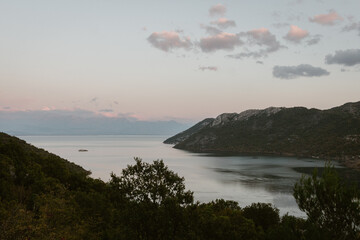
(150, 200)
(155, 183)
(218, 220)
(289, 228)
(331, 205)
(263, 215)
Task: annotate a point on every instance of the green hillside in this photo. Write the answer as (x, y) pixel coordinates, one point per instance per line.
(298, 131)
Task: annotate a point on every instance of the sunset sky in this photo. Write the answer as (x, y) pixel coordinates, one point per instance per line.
(184, 60)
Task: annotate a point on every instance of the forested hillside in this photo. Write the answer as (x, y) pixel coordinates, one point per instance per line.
(298, 131)
(43, 196)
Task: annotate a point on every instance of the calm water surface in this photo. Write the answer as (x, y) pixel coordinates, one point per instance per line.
(239, 178)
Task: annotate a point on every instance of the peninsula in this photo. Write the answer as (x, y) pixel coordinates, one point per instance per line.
(332, 134)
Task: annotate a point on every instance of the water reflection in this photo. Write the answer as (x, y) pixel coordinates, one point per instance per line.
(272, 174)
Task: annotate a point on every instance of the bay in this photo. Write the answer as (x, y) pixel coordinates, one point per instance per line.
(245, 179)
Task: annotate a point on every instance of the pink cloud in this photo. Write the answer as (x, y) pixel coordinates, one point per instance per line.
(108, 114)
(259, 33)
(326, 19)
(167, 41)
(224, 23)
(221, 41)
(46, 108)
(296, 34)
(218, 9)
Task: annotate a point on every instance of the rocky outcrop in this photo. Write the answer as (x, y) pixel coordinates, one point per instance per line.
(245, 115)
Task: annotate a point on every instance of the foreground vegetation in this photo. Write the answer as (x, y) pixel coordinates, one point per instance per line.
(45, 197)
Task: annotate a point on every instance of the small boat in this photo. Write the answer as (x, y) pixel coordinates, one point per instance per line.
(83, 150)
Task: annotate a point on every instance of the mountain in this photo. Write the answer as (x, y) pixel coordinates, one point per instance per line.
(297, 131)
(81, 122)
(185, 134)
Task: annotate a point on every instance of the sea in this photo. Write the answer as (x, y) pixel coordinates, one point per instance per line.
(245, 179)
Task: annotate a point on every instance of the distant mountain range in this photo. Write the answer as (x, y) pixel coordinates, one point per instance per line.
(297, 131)
(81, 122)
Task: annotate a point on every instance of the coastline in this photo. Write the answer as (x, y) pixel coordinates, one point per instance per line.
(351, 162)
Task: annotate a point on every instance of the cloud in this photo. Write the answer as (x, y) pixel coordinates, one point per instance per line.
(302, 70)
(259, 37)
(209, 68)
(296, 34)
(106, 110)
(221, 41)
(263, 37)
(314, 40)
(224, 23)
(211, 30)
(166, 41)
(259, 62)
(348, 57)
(352, 27)
(47, 108)
(326, 19)
(217, 10)
(255, 55)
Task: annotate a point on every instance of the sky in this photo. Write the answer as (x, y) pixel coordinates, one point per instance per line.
(182, 60)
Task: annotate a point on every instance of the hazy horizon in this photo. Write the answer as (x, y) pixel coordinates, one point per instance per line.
(182, 61)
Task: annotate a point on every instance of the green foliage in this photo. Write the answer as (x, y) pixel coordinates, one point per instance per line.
(45, 197)
(153, 183)
(151, 200)
(263, 215)
(330, 204)
(220, 220)
(39, 195)
(289, 228)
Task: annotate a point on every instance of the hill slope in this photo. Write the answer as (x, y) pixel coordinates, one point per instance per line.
(298, 131)
(43, 196)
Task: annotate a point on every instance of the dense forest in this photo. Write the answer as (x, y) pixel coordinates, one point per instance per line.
(43, 196)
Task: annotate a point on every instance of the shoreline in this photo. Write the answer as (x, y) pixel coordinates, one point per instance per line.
(351, 162)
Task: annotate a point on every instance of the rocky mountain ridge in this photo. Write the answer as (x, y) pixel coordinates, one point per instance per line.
(297, 131)
(221, 120)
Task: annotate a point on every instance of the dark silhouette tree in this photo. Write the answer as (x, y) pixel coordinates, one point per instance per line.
(151, 201)
(155, 183)
(332, 206)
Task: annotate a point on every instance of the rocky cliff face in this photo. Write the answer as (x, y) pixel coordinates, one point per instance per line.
(225, 118)
(297, 131)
